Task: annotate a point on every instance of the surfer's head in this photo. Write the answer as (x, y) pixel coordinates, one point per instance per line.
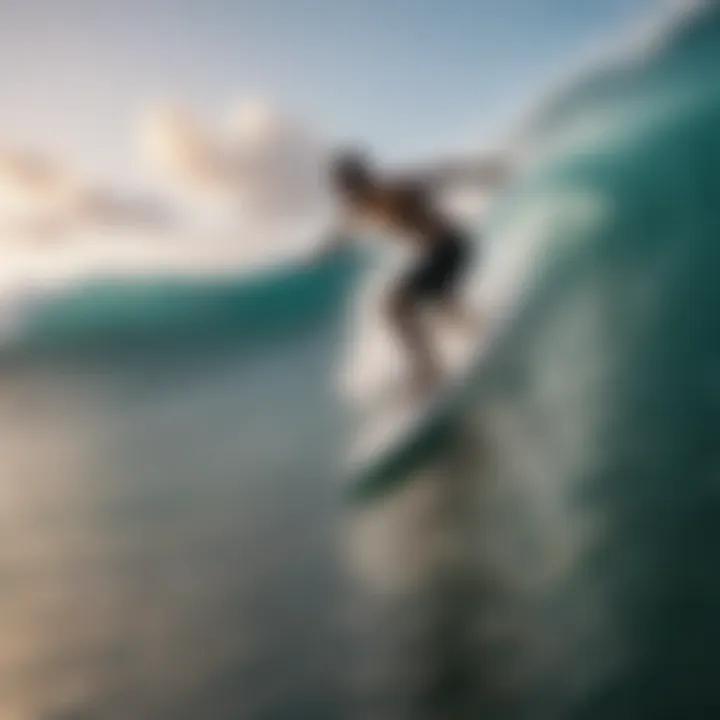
(351, 174)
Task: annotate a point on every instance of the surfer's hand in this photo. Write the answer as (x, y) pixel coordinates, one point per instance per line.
(329, 247)
(318, 256)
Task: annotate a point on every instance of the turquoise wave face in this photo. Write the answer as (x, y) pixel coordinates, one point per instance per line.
(159, 310)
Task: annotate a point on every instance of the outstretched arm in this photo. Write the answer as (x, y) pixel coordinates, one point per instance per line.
(339, 237)
(488, 173)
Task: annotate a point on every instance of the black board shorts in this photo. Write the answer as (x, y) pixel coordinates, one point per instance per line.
(437, 273)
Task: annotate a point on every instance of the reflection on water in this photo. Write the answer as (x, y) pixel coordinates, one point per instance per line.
(455, 574)
(173, 545)
(419, 588)
(160, 555)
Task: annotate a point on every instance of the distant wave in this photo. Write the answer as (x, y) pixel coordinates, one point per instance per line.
(108, 313)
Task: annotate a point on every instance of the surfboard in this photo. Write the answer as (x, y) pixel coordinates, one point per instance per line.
(390, 439)
(395, 435)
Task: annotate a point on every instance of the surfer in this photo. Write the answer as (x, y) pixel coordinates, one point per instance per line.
(407, 209)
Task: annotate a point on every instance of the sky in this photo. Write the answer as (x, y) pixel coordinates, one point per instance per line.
(406, 77)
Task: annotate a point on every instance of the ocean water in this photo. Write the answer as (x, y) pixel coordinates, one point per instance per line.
(177, 538)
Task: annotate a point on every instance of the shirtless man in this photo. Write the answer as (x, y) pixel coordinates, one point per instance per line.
(407, 211)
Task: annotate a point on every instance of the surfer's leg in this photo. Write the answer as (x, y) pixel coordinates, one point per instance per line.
(403, 314)
(445, 292)
(433, 281)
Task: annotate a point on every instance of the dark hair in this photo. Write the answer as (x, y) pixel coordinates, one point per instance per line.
(350, 171)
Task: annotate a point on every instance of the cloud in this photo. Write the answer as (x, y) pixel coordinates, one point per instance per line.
(183, 151)
(265, 166)
(263, 163)
(31, 182)
(272, 167)
(42, 197)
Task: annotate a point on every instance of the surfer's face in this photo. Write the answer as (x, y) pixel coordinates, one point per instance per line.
(351, 179)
